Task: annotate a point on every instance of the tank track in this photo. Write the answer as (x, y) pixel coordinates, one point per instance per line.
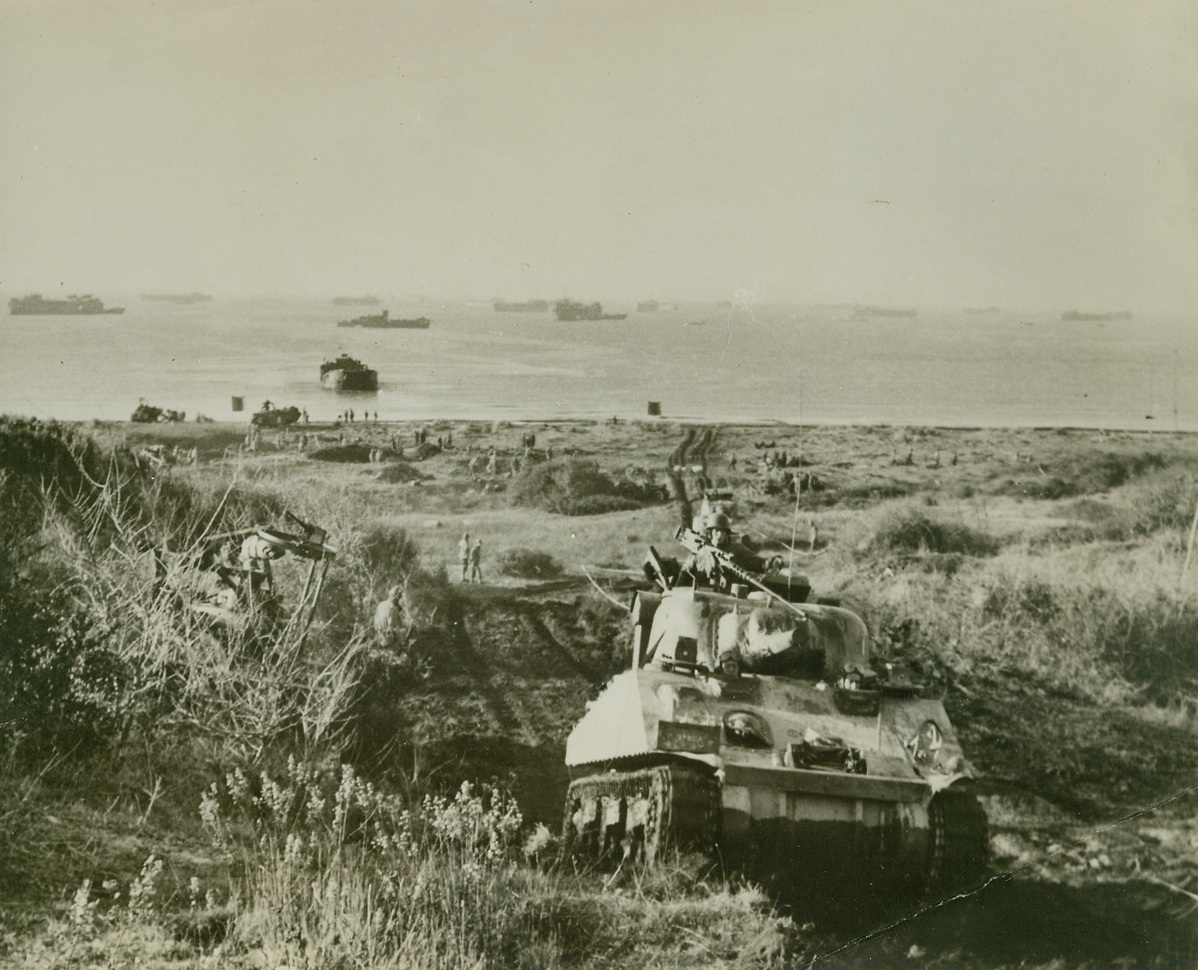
(958, 842)
(632, 816)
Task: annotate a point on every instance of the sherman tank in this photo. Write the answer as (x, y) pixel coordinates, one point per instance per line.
(752, 726)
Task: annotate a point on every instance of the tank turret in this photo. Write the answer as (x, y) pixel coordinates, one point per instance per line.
(755, 728)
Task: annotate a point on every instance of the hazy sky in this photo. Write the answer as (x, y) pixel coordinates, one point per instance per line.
(942, 152)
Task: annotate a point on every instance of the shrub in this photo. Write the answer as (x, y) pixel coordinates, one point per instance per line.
(1086, 475)
(528, 564)
(571, 486)
(913, 530)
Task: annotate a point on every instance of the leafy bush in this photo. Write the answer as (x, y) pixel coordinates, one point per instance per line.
(911, 530)
(528, 564)
(571, 486)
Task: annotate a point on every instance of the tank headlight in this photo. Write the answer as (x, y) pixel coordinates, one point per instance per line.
(746, 729)
(925, 745)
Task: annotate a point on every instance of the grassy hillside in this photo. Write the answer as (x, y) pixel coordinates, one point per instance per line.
(1037, 579)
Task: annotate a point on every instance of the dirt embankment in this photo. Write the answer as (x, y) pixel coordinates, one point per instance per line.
(497, 694)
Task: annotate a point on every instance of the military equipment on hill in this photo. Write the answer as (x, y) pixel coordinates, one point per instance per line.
(36, 304)
(234, 594)
(752, 726)
(148, 414)
(347, 373)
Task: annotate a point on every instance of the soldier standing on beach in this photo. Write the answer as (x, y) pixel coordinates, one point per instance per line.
(476, 561)
(464, 553)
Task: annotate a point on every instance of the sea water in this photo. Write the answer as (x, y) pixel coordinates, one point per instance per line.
(701, 363)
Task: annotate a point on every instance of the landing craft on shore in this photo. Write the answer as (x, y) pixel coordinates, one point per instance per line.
(346, 373)
(752, 727)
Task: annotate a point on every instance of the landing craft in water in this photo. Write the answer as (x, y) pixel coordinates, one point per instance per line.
(384, 321)
(37, 305)
(347, 373)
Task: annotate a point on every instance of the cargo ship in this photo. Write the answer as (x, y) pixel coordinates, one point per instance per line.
(532, 306)
(347, 373)
(36, 304)
(570, 310)
(356, 301)
(648, 306)
(383, 321)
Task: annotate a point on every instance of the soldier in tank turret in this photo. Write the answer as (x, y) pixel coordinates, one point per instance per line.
(707, 565)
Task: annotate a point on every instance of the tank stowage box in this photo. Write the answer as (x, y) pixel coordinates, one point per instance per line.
(755, 730)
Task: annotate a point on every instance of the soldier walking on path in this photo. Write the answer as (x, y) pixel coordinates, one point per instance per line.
(476, 561)
(464, 553)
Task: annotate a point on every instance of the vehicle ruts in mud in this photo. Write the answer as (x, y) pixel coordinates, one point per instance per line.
(752, 727)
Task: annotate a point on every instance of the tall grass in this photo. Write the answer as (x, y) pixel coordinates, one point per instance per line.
(339, 873)
(106, 645)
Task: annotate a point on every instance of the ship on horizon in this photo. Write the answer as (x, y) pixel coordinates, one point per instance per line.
(356, 301)
(530, 306)
(37, 305)
(183, 299)
(866, 312)
(572, 310)
(384, 321)
(1085, 316)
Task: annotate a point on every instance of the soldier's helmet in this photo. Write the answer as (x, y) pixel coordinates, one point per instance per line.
(719, 520)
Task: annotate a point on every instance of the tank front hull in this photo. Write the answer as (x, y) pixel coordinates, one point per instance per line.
(816, 834)
(802, 842)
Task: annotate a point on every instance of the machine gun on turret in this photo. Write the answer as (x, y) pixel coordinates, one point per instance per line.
(789, 590)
